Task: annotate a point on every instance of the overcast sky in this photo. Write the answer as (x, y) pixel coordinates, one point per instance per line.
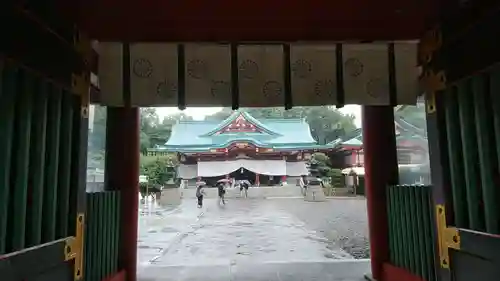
(198, 113)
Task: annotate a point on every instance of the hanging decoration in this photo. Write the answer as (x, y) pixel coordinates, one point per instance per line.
(249, 75)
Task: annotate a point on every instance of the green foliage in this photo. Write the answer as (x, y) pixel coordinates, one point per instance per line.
(158, 169)
(319, 165)
(321, 158)
(336, 178)
(154, 132)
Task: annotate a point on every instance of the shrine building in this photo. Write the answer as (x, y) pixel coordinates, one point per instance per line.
(263, 151)
(411, 143)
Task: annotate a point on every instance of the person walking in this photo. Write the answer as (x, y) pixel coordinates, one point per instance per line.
(244, 185)
(200, 192)
(304, 184)
(222, 191)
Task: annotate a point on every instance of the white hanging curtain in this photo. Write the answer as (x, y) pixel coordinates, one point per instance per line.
(262, 167)
(217, 168)
(296, 169)
(187, 171)
(265, 167)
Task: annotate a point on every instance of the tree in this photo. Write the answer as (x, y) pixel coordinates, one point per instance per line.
(149, 119)
(220, 115)
(154, 132)
(158, 169)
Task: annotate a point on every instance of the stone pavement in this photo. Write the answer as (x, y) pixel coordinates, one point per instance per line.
(254, 192)
(247, 239)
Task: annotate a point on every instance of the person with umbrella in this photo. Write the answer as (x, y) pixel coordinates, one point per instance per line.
(244, 185)
(200, 192)
(222, 190)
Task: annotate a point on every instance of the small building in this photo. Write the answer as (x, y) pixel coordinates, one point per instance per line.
(263, 151)
(411, 143)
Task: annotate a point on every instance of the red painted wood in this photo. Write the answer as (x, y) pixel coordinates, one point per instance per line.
(120, 276)
(394, 273)
(122, 173)
(261, 20)
(351, 147)
(381, 170)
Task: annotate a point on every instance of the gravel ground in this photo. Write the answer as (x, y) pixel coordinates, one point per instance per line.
(343, 221)
(254, 239)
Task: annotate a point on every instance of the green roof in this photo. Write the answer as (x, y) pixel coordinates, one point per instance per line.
(408, 132)
(353, 142)
(199, 136)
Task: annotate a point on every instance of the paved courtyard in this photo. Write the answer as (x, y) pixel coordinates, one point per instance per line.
(254, 239)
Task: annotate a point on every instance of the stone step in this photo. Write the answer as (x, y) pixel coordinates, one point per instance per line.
(335, 270)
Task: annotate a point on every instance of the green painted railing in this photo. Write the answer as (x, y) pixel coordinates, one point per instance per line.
(472, 109)
(38, 159)
(102, 235)
(411, 222)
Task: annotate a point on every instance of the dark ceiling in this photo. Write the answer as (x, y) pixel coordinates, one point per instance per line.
(256, 20)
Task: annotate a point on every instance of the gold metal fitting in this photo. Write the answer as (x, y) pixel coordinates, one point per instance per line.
(74, 247)
(448, 237)
(433, 81)
(430, 102)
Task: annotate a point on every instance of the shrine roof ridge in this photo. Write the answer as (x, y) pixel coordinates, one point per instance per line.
(267, 133)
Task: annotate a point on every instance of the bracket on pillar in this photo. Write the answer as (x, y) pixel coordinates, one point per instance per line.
(74, 247)
(81, 81)
(432, 82)
(431, 42)
(448, 237)
(430, 98)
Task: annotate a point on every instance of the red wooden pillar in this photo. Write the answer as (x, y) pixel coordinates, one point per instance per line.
(381, 170)
(257, 179)
(122, 173)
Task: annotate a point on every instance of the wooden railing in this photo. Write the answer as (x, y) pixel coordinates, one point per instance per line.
(411, 236)
(102, 235)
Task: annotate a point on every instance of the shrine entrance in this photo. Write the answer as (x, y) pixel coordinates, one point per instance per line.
(243, 174)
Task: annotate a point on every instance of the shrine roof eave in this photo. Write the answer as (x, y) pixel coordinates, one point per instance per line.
(275, 148)
(348, 147)
(252, 141)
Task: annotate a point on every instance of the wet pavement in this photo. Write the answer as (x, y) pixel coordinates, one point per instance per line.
(253, 239)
